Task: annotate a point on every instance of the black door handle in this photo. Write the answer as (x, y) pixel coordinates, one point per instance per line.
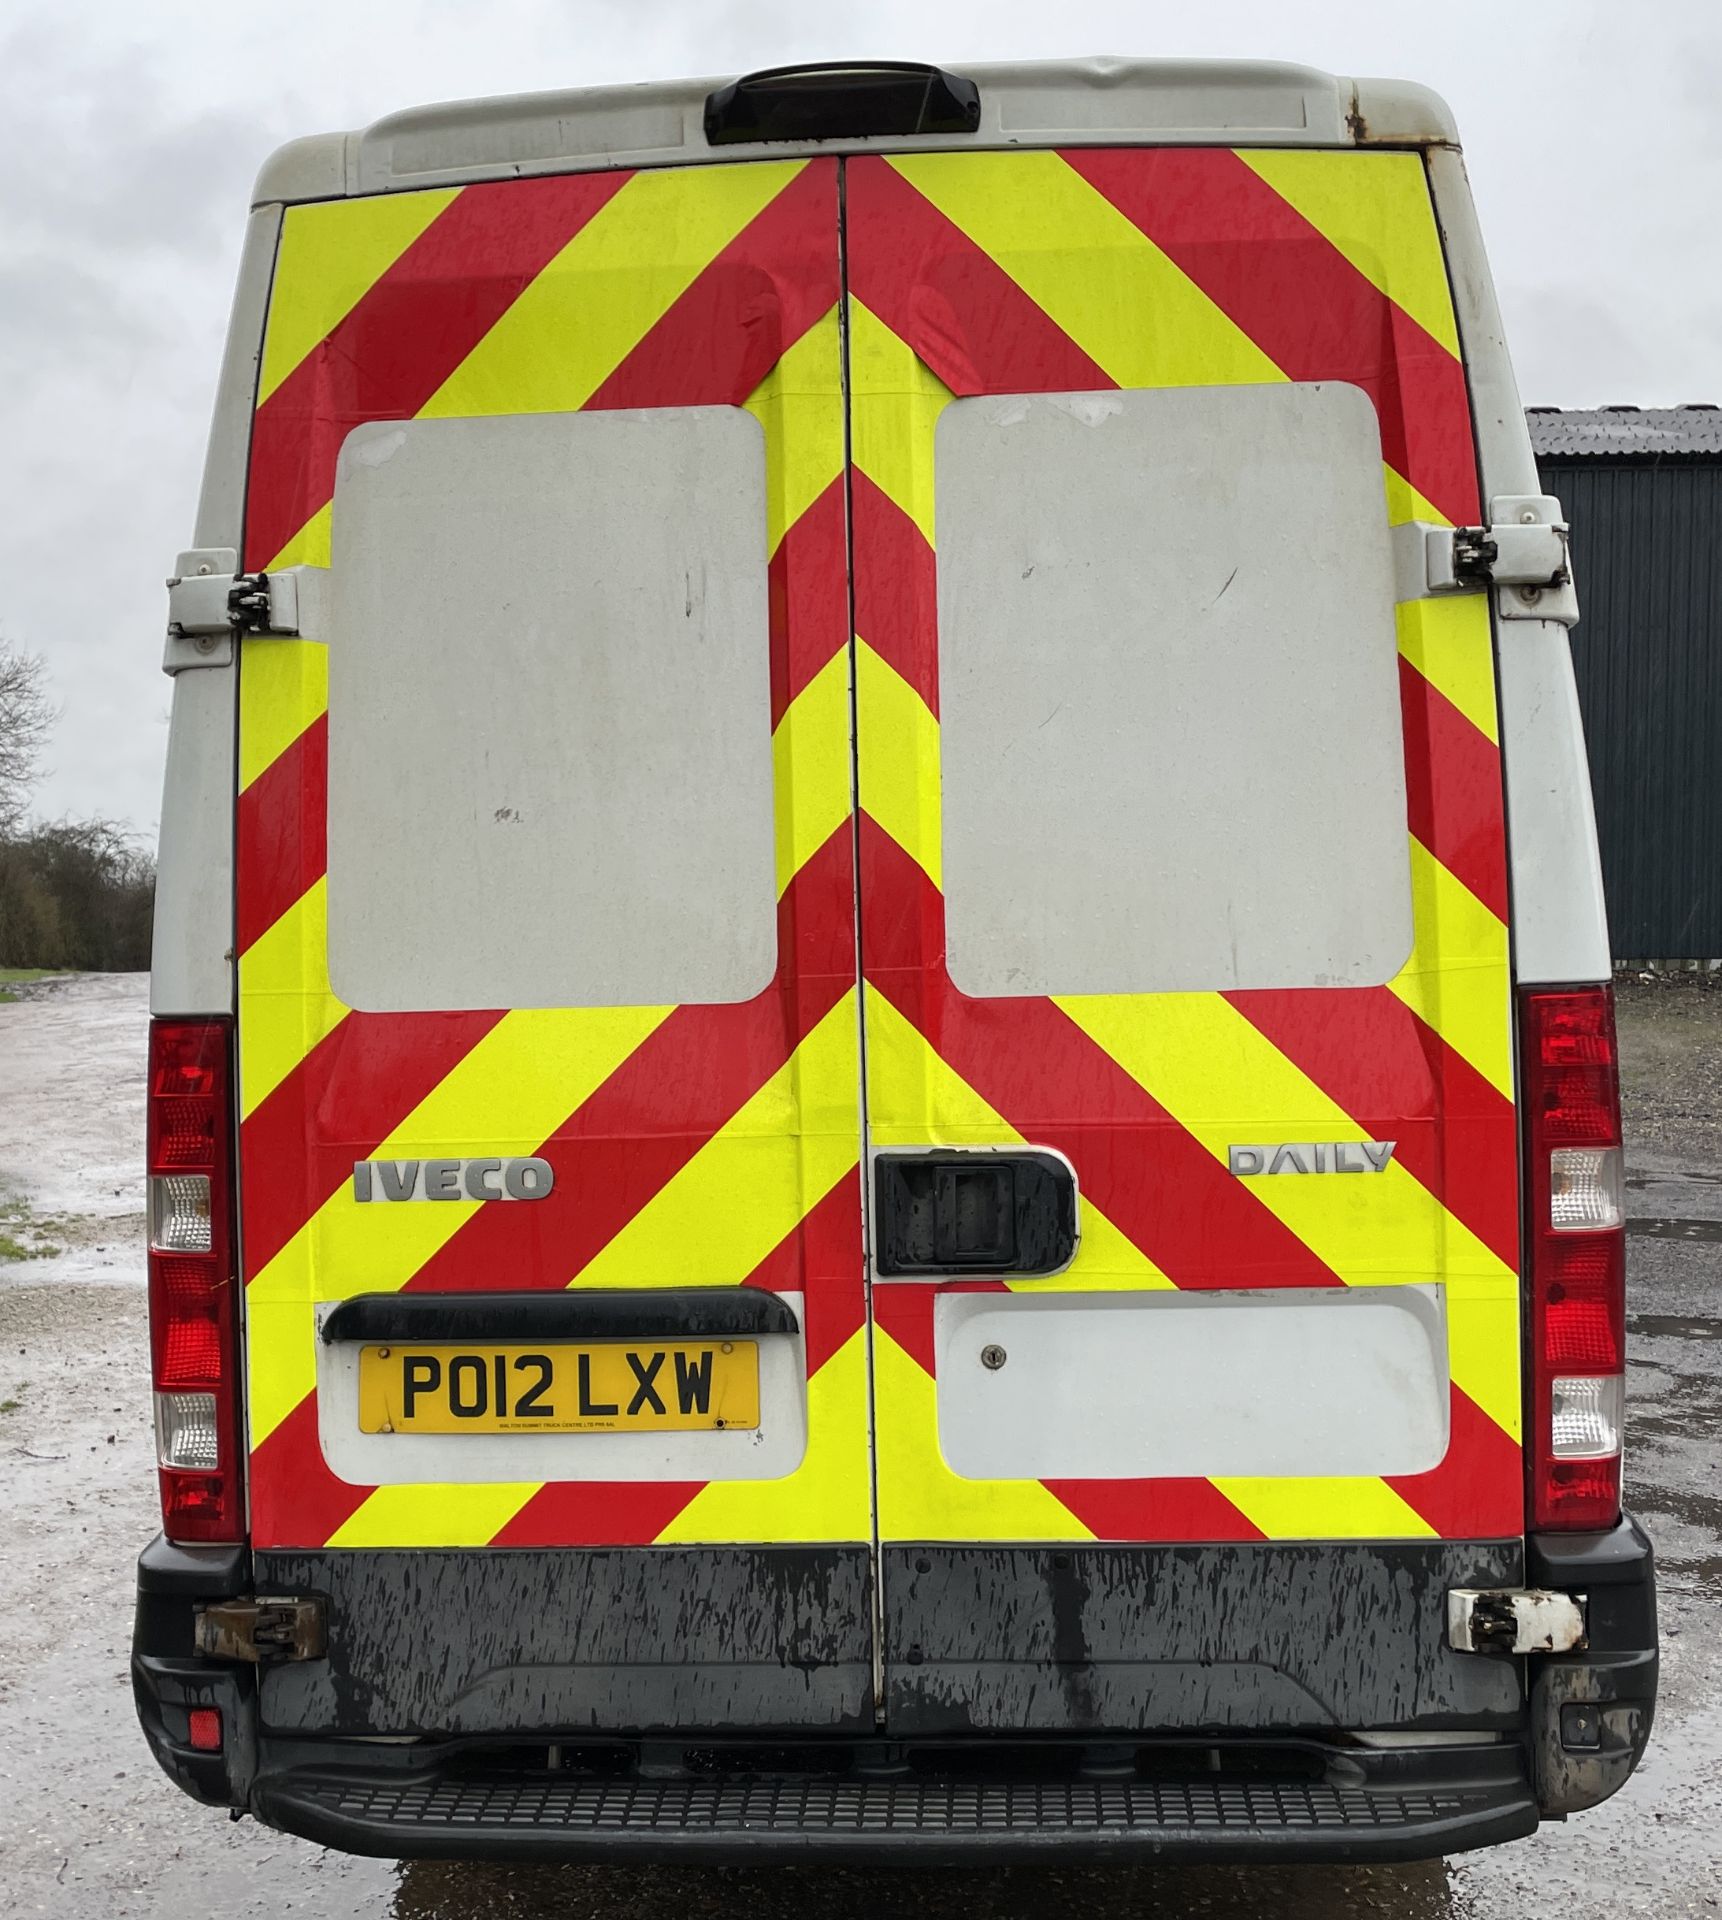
(955, 1213)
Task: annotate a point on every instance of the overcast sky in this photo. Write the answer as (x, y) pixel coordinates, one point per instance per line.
(130, 133)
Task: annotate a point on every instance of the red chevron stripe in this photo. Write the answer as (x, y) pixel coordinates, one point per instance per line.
(295, 1500)
(1029, 1061)
(1477, 1492)
(1453, 798)
(373, 1069)
(406, 335)
(744, 310)
(1399, 1080)
(905, 1310)
(683, 1083)
(821, 1256)
(1171, 1511)
(279, 833)
(895, 588)
(1286, 285)
(809, 604)
(597, 1513)
(952, 303)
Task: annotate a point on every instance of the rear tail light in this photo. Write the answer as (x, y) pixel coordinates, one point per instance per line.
(194, 1321)
(1576, 1248)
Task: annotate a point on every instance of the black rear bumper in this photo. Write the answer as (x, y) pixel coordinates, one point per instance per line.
(1292, 1803)
(603, 1755)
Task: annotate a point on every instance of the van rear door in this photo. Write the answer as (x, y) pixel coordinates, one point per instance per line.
(1184, 916)
(1184, 991)
(571, 450)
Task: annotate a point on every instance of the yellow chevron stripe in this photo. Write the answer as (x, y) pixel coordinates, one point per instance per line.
(310, 546)
(331, 254)
(1375, 209)
(1483, 1348)
(507, 1096)
(1317, 1509)
(825, 1498)
(895, 405)
(920, 1498)
(1457, 976)
(284, 989)
(1224, 1081)
(1449, 643)
(811, 768)
(800, 406)
(458, 1514)
(1405, 503)
(585, 312)
(1093, 273)
(755, 1180)
(283, 687)
(915, 1099)
(898, 758)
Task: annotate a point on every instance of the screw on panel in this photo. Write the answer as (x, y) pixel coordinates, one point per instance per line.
(1530, 595)
(992, 1358)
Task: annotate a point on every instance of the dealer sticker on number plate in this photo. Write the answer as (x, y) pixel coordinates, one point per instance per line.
(606, 1387)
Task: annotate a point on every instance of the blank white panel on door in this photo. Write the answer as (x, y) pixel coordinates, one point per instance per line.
(1171, 746)
(550, 775)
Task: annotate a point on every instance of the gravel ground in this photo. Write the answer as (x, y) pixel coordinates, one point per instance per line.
(90, 1828)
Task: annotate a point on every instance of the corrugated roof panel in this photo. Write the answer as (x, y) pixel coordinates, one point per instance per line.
(1626, 433)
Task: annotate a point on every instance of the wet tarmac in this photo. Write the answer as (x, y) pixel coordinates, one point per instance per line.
(89, 1828)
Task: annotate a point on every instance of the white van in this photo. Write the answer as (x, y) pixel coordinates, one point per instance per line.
(883, 1110)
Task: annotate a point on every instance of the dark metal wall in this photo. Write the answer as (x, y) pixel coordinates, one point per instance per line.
(1647, 552)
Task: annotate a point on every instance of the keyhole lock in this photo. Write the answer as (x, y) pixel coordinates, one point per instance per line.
(992, 1358)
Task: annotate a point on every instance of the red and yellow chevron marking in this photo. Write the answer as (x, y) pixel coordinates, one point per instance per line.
(721, 1144)
(715, 1145)
(1040, 271)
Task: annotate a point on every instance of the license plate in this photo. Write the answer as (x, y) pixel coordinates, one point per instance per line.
(606, 1387)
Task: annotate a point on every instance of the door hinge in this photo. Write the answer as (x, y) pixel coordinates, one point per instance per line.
(1515, 1620)
(262, 1630)
(210, 603)
(1524, 553)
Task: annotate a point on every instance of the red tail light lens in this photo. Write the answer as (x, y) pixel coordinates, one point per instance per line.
(1576, 1249)
(194, 1322)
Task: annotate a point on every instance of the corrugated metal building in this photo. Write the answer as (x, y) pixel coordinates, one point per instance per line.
(1643, 491)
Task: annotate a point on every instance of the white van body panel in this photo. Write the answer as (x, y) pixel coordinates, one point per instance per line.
(191, 960)
(1097, 101)
(1560, 920)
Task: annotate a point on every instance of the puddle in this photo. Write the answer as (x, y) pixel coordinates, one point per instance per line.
(1702, 1510)
(433, 1891)
(1674, 1229)
(1666, 1326)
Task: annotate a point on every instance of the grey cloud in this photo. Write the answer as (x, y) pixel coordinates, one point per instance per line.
(129, 136)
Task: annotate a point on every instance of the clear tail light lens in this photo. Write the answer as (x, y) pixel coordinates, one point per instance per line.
(194, 1320)
(188, 1431)
(1585, 1188)
(1575, 1243)
(179, 1213)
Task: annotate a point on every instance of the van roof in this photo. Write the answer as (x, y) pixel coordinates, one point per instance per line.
(1098, 101)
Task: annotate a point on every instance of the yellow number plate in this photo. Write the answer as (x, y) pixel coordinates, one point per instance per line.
(608, 1387)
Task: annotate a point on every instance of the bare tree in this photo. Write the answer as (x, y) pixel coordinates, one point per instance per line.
(26, 717)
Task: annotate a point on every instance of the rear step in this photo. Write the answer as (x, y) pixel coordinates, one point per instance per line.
(1403, 1806)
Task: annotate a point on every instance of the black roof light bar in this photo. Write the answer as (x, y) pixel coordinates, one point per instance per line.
(842, 100)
